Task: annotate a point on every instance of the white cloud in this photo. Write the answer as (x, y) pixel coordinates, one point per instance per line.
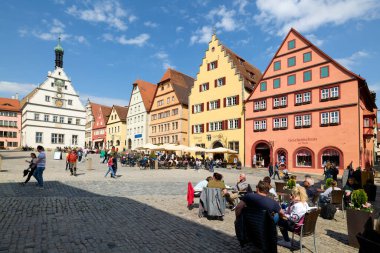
(150, 24)
(11, 88)
(103, 100)
(109, 12)
(225, 18)
(55, 29)
(164, 58)
(139, 40)
(179, 29)
(277, 17)
(202, 35)
(353, 59)
(241, 5)
(313, 38)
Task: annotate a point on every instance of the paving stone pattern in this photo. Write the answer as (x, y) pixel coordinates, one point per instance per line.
(141, 211)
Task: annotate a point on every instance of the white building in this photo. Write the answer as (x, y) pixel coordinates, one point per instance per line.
(137, 119)
(52, 114)
(89, 124)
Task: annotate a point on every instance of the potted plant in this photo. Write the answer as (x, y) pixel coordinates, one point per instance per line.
(328, 182)
(358, 213)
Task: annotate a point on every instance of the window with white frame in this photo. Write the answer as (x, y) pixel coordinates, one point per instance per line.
(233, 123)
(74, 140)
(160, 102)
(299, 98)
(276, 102)
(70, 102)
(366, 122)
(213, 65)
(263, 104)
(213, 105)
(216, 126)
(204, 86)
(334, 92)
(260, 125)
(334, 117)
(331, 93)
(284, 122)
(276, 123)
(38, 137)
(220, 82)
(230, 101)
(324, 118)
(307, 97)
(174, 111)
(61, 119)
(46, 117)
(280, 123)
(77, 121)
(198, 108)
(307, 120)
(298, 121)
(36, 116)
(283, 101)
(324, 93)
(57, 138)
(55, 118)
(198, 129)
(47, 98)
(234, 145)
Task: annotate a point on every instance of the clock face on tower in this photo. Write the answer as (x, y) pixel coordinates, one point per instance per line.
(58, 103)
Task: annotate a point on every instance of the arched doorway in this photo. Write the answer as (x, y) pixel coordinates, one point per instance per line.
(218, 144)
(332, 155)
(262, 153)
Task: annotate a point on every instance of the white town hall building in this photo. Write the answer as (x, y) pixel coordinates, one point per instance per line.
(52, 114)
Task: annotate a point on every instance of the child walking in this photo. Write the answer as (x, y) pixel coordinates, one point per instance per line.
(32, 167)
(110, 165)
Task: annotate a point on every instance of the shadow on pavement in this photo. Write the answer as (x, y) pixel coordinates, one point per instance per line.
(337, 236)
(62, 218)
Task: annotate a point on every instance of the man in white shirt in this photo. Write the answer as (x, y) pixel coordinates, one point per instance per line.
(202, 184)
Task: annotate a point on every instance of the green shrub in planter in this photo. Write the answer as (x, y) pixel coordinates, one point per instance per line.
(359, 198)
(152, 155)
(328, 182)
(291, 184)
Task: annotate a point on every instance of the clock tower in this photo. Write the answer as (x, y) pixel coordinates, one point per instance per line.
(53, 115)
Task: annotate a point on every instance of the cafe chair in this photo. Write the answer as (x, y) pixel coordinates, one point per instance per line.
(337, 200)
(306, 227)
(366, 245)
(280, 186)
(257, 227)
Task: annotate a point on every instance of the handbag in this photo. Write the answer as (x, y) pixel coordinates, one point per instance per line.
(26, 172)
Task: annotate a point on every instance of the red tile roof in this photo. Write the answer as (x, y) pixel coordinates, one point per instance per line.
(147, 91)
(8, 104)
(105, 110)
(122, 112)
(181, 84)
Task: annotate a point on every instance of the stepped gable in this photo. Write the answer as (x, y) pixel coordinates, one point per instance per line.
(249, 73)
(147, 91)
(8, 104)
(181, 84)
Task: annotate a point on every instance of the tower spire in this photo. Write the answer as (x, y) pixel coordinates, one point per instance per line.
(58, 54)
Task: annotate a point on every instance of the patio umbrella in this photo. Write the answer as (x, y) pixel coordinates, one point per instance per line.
(194, 149)
(222, 150)
(178, 148)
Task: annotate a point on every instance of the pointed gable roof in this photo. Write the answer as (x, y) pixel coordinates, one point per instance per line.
(147, 91)
(8, 104)
(250, 74)
(361, 80)
(27, 97)
(181, 84)
(105, 110)
(122, 112)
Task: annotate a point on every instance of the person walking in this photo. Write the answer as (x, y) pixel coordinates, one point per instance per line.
(270, 169)
(80, 155)
(110, 165)
(32, 167)
(276, 172)
(105, 159)
(72, 159)
(41, 164)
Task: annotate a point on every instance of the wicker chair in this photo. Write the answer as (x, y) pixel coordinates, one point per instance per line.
(337, 199)
(280, 186)
(257, 227)
(307, 227)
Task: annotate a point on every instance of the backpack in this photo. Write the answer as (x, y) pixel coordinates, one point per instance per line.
(328, 211)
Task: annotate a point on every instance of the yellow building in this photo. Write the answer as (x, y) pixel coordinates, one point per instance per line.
(168, 121)
(216, 105)
(117, 128)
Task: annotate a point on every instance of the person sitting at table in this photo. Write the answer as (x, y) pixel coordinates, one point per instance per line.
(309, 179)
(310, 191)
(293, 214)
(260, 201)
(202, 184)
(325, 197)
(241, 186)
(217, 182)
(272, 191)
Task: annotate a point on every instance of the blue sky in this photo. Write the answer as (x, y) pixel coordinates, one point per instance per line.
(110, 43)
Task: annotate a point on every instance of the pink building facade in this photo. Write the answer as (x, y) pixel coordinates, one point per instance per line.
(308, 110)
(10, 123)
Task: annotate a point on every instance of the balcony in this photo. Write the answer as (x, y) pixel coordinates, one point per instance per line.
(368, 132)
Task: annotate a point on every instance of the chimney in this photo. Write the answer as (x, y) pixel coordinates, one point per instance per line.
(16, 96)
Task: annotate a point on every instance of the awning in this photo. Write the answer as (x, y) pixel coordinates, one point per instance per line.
(98, 140)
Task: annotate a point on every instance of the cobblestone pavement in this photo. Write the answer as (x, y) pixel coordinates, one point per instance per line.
(141, 211)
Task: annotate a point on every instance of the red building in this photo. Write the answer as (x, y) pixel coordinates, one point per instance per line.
(307, 110)
(101, 114)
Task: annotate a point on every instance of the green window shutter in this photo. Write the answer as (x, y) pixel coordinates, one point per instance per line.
(291, 79)
(307, 57)
(307, 76)
(324, 72)
(276, 83)
(291, 61)
(263, 86)
(277, 65)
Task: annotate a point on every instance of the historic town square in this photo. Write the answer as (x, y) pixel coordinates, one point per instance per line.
(189, 126)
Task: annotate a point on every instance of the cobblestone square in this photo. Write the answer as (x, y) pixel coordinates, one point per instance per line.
(140, 211)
